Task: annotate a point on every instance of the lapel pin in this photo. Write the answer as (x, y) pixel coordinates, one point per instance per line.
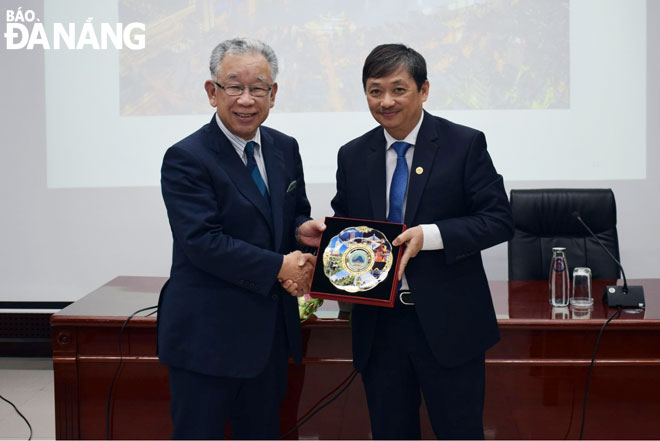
(419, 170)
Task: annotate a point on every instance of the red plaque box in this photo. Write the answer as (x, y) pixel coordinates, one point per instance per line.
(357, 263)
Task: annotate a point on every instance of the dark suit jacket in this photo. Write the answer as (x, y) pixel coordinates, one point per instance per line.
(459, 191)
(217, 313)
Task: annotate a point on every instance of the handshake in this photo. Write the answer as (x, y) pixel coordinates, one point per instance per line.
(297, 268)
(296, 273)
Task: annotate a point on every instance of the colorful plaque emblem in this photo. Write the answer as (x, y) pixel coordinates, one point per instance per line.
(357, 259)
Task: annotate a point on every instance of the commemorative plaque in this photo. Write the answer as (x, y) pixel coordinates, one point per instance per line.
(356, 262)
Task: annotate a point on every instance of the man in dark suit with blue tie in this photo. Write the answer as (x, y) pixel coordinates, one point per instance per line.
(235, 197)
(438, 178)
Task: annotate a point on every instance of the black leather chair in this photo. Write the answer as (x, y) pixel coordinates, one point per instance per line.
(545, 218)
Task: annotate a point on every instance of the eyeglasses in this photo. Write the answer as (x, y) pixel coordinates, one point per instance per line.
(236, 90)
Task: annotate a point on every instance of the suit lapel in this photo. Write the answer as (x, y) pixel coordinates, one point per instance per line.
(376, 177)
(426, 148)
(236, 170)
(275, 171)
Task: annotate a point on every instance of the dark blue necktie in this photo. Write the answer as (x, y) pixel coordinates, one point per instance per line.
(399, 183)
(254, 171)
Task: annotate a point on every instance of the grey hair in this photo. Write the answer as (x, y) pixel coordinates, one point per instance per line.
(242, 46)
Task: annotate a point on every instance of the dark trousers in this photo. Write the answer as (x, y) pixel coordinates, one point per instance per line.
(201, 405)
(402, 368)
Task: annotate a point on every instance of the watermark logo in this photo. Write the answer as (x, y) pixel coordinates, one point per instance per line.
(25, 31)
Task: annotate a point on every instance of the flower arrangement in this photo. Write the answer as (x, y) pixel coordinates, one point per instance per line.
(307, 306)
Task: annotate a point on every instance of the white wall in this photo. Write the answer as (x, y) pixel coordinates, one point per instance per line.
(60, 244)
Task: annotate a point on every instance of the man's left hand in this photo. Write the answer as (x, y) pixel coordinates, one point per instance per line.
(412, 239)
(309, 233)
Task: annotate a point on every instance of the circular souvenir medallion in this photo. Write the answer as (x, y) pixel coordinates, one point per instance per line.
(357, 259)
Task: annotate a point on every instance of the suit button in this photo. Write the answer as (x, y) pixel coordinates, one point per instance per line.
(275, 297)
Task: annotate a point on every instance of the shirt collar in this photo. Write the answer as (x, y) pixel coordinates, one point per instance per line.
(237, 141)
(410, 139)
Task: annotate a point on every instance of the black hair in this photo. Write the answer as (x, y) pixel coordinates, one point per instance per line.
(387, 58)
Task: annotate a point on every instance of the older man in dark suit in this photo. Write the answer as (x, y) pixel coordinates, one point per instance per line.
(235, 197)
(437, 178)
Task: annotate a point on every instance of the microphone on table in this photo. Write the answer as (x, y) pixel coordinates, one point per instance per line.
(614, 295)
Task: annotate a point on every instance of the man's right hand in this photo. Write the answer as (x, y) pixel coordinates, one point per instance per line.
(296, 272)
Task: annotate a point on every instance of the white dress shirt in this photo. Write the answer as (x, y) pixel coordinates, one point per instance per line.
(239, 145)
(432, 237)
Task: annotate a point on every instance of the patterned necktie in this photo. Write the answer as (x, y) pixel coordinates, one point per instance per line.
(254, 171)
(399, 183)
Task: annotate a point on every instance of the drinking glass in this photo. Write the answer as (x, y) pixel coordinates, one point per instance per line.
(581, 293)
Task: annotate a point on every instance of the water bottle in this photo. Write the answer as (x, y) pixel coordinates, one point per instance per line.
(558, 282)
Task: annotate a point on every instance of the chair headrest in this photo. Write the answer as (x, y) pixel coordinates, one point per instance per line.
(551, 212)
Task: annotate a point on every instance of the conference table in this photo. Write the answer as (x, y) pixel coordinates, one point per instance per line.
(535, 375)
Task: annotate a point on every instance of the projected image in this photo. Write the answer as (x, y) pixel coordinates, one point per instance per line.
(556, 102)
(481, 54)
